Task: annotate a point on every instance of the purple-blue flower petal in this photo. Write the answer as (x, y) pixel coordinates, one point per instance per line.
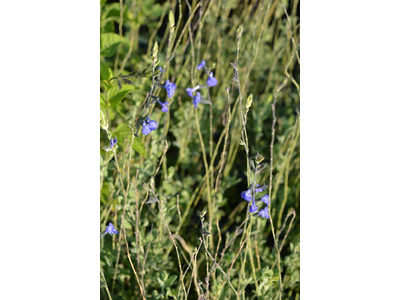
(170, 88)
(113, 142)
(265, 199)
(164, 106)
(152, 125)
(260, 189)
(246, 195)
(111, 229)
(253, 208)
(212, 81)
(190, 91)
(201, 65)
(196, 99)
(264, 213)
(146, 129)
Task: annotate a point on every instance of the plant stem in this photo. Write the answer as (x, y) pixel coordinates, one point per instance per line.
(210, 208)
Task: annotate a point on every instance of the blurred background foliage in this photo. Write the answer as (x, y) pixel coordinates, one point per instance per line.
(187, 32)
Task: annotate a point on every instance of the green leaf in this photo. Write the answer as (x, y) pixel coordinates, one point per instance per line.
(127, 225)
(104, 107)
(122, 132)
(138, 146)
(105, 72)
(109, 43)
(170, 280)
(115, 95)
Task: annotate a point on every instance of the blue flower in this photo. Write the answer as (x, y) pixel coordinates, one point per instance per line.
(148, 126)
(212, 81)
(246, 195)
(196, 99)
(146, 129)
(253, 208)
(153, 125)
(160, 69)
(201, 65)
(264, 213)
(113, 142)
(170, 88)
(164, 106)
(265, 199)
(111, 229)
(260, 189)
(190, 91)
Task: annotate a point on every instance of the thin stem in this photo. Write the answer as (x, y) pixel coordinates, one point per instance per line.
(133, 267)
(270, 184)
(105, 285)
(194, 272)
(210, 208)
(137, 222)
(176, 247)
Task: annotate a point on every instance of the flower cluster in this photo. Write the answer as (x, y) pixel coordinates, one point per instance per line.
(247, 195)
(148, 126)
(211, 81)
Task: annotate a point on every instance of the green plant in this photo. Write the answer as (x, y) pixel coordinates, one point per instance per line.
(174, 195)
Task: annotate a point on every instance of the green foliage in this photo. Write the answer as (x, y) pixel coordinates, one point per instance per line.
(105, 72)
(109, 43)
(116, 94)
(153, 186)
